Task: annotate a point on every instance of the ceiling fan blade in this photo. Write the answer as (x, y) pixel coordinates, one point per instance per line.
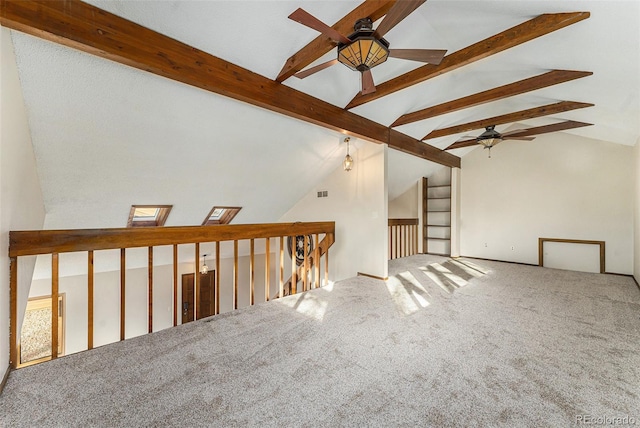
(305, 18)
(569, 124)
(308, 72)
(399, 11)
(367, 82)
(519, 138)
(432, 56)
(461, 144)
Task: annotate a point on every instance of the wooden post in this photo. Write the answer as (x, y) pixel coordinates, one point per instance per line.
(316, 260)
(90, 300)
(252, 282)
(175, 284)
(294, 278)
(281, 290)
(123, 275)
(235, 274)
(150, 289)
(217, 281)
(267, 271)
(196, 283)
(54, 305)
(326, 267)
(13, 309)
(305, 264)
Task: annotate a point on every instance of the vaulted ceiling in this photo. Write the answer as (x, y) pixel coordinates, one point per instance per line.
(107, 135)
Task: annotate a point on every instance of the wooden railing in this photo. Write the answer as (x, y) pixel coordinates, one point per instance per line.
(403, 237)
(55, 242)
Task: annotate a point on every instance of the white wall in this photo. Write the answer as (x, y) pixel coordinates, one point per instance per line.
(21, 203)
(636, 216)
(405, 205)
(557, 186)
(358, 203)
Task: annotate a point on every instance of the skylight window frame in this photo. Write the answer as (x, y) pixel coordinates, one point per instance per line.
(226, 217)
(158, 221)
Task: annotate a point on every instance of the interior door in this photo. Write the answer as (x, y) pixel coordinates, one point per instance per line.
(206, 296)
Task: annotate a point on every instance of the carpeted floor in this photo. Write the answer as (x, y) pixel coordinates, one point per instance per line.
(441, 343)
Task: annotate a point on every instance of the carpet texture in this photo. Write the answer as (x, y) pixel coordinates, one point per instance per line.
(441, 343)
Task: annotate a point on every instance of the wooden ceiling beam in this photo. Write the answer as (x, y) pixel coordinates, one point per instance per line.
(536, 27)
(531, 113)
(90, 29)
(544, 80)
(374, 9)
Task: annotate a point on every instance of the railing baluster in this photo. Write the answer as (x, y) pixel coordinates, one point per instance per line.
(316, 260)
(123, 271)
(305, 264)
(281, 290)
(294, 278)
(217, 278)
(175, 284)
(326, 267)
(252, 281)
(13, 309)
(196, 283)
(54, 305)
(90, 300)
(150, 285)
(267, 271)
(235, 274)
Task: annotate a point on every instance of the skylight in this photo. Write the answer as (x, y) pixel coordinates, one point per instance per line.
(221, 215)
(148, 215)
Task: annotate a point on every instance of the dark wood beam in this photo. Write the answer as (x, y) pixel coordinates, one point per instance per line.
(519, 34)
(407, 144)
(527, 85)
(374, 9)
(90, 29)
(531, 113)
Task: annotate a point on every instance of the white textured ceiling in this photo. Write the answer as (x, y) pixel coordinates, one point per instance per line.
(107, 136)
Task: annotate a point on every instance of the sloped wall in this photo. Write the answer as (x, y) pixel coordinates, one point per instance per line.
(21, 203)
(405, 205)
(358, 203)
(557, 186)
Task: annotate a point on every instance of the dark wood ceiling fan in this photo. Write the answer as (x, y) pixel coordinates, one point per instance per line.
(490, 137)
(366, 47)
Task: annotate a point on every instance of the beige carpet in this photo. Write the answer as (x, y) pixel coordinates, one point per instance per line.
(442, 343)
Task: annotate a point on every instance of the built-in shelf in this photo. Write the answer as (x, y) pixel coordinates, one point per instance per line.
(435, 202)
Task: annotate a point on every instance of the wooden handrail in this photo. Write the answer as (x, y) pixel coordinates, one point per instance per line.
(31, 243)
(56, 242)
(403, 237)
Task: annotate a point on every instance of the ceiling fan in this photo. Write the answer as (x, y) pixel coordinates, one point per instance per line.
(490, 137)
(366, 47)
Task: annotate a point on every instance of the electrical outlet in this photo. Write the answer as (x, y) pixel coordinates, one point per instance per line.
(512, 248)
(485, 244)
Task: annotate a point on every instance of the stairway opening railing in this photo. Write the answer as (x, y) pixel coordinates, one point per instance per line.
(305, 265)
(403, 237)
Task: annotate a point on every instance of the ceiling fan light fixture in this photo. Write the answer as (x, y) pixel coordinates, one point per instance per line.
(365, 51)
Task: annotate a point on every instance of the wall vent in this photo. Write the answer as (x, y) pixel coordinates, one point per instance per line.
(323, 193)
